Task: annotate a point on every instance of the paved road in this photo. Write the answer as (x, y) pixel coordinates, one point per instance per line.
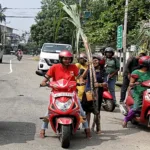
(22, 102)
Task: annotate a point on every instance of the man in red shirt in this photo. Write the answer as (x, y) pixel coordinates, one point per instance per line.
(63, 70)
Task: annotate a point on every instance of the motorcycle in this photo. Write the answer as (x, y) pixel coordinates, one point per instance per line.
(142, 116)
(64, 112)
(19, 57)
(108, 102)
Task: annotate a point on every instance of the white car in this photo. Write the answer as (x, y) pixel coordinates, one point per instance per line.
(50, 54)
(1, 53)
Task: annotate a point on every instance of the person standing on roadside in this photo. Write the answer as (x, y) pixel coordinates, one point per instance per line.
(112, 67)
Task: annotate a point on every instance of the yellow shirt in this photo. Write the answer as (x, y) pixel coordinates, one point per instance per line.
(81, 89)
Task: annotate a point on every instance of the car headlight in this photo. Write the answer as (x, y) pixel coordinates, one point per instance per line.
(63, 106)
(42, 60)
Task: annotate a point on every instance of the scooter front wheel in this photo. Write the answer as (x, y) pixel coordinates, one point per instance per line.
(65, 136)
(109, 105)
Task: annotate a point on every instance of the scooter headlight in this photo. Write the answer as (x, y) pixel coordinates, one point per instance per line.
(63, 106)
(147, 96)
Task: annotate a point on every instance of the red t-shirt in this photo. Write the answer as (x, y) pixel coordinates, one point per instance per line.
(58, 71)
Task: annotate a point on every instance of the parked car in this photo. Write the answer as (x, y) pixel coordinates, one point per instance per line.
(49, 54)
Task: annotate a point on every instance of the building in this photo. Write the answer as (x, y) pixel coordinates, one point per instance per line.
(9, 39)
(4, 30)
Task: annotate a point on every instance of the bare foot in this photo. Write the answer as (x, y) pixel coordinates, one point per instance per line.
(124, 124)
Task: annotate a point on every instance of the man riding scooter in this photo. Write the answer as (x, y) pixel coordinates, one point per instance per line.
(68, 71)
(137, 77)
(19, 54)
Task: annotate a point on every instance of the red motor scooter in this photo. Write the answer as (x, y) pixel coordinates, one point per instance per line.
(108, 103)
(64, 115)
(142, 116)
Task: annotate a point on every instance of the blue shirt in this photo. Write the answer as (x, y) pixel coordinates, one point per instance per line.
(99, 76)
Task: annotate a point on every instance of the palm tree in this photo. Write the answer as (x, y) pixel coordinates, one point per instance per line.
(2, 15)
(2, 18)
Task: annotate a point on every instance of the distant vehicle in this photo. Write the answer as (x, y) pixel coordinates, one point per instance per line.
(1, 53)
(49, 54)
(12, 52)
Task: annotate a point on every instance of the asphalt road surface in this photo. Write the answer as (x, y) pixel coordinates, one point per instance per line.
(22, 102)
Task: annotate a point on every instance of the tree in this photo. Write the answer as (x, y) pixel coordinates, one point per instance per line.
(101, 27)
(2, 15)
(2, 18)
(50, 25)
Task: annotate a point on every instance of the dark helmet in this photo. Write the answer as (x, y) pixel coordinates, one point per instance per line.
(101, 59)
(65, 53)
(144, 61)
(109, 50)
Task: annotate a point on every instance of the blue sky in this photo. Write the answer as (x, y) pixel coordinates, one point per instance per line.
(22, 24)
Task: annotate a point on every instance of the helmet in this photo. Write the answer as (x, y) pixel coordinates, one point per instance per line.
(143, 52)
(65, 53)
(101, 59)
(110, 50)
(144, 61)
(82, 55)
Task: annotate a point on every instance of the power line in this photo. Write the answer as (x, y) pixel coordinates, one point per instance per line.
(20, 16)
(23, 8)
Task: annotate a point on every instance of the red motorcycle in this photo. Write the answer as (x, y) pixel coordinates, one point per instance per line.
(108, 103)
(64, 115)
(143, 116)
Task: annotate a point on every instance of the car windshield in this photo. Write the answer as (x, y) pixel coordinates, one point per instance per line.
(54, 48)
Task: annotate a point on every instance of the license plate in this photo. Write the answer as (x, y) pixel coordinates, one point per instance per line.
(64, 94)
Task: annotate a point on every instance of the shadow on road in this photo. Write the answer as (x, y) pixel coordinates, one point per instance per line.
(79, 142)
(5, 63)
(16, 132)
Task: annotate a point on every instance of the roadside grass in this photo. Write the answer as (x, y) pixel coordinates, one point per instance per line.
(36, 58)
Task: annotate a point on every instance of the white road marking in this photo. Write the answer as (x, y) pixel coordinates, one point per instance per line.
(10, 68)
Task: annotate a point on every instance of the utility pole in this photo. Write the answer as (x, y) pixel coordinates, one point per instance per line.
(125, 33)
(4, 36)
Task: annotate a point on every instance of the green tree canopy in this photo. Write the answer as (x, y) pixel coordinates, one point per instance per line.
(50, 25)
(101, 27)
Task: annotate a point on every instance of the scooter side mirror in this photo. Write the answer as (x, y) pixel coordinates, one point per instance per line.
(39, 73)
(135, 76)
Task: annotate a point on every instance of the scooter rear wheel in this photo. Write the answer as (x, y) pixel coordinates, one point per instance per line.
(109, 105)
(65, 136)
